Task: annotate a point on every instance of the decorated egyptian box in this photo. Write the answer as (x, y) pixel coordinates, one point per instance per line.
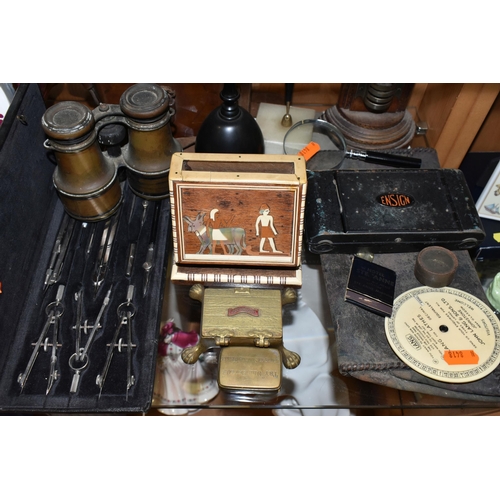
(237, 219)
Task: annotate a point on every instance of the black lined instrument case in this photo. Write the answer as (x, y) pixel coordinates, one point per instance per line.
(31, 217)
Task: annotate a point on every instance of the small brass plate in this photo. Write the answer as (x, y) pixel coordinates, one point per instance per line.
(250, 368)
(242, 313)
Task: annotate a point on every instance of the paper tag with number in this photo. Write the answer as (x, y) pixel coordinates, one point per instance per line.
(464, 357)
(310, 150)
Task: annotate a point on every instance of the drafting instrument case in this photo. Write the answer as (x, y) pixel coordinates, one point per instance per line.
(379, 209)
(31, 216)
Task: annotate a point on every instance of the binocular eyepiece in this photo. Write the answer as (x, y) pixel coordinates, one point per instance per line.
(86, 175)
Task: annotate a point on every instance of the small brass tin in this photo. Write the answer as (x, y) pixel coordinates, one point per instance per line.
(250, 369)
(242, 316)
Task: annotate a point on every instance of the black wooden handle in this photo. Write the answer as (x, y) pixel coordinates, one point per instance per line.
(391, 160)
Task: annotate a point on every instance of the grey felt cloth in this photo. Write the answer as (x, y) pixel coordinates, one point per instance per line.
(362, 347)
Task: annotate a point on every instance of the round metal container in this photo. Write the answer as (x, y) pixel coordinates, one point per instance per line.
(87, 184)
(436, 266)
(151, 144)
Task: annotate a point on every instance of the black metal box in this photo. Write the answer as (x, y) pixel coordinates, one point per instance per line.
(384, 211)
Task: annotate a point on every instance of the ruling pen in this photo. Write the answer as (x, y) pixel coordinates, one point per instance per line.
(148, 264)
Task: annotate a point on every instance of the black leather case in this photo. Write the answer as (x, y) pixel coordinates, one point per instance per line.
(359, 208)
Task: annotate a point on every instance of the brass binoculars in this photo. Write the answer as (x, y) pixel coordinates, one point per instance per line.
(90, 146)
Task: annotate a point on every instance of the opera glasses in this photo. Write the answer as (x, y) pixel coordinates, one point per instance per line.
(91, 146)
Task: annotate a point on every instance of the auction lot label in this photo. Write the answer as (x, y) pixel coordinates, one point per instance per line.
(445, 334)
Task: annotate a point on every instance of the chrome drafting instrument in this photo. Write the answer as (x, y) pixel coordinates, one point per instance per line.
(98, 274)
(145, 205)
(62, 254)
(56, 250)
(79, 314)
(130, 259)
(54, 311)
(148, 264)
(132, 206)
(79, 360)
(58, 255)
(108, 236)
(91, 240)
(130, 376)
(125, 311)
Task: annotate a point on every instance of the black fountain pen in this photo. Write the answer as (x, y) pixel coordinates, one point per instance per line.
(148, 264)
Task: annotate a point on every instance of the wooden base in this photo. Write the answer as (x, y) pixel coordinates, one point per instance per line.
(372, 131)
(236, 276)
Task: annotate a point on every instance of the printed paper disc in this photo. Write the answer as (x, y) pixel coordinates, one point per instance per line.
(426, 322)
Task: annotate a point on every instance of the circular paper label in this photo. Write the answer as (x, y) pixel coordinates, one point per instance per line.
(445, 334)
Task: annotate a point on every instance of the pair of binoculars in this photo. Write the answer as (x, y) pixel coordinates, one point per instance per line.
(91, 146)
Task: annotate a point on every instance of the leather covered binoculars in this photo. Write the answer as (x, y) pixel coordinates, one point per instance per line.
(91, 146)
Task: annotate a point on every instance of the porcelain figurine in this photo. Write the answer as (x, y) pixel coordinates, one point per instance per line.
(177, 383)
(493, 292)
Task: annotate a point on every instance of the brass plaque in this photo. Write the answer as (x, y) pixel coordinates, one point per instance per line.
(250, 368)
(243, 313)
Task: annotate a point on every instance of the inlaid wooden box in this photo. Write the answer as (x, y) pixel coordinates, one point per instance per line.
(237, 218)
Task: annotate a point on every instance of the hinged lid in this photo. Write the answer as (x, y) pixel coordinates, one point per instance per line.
(249, 316)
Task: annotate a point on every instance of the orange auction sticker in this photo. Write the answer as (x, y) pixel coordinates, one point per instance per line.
(310, 150)
(464, 357)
